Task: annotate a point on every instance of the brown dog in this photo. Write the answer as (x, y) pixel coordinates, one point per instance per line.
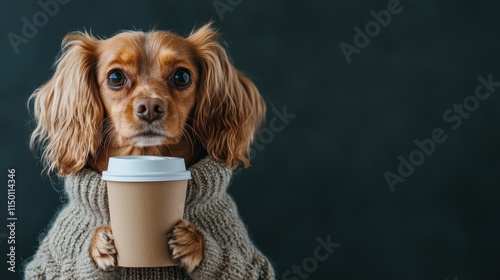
(152, 93)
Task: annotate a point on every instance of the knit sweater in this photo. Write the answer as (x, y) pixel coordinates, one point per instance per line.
(228, 252)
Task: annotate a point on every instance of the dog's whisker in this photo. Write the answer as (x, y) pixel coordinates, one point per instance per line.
(188, 137)
(169, 149)
(190, 119)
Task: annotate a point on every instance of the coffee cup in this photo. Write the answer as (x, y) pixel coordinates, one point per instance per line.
(146, 196)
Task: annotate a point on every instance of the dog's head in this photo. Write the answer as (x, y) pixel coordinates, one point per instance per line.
(138, 89)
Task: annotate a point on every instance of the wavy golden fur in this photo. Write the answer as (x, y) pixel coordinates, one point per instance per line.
(82, 121)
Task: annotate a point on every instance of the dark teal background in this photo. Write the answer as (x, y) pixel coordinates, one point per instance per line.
(323, 174)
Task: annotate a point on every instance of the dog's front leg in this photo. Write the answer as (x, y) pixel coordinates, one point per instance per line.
(102, 249)
(186, 245)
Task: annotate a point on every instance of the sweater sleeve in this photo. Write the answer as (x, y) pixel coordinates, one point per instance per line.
(228, 252)
(226, 263)
(63, 252)
(53, 260)
(42, 266)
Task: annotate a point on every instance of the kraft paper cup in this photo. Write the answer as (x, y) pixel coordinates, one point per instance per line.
(146, 196)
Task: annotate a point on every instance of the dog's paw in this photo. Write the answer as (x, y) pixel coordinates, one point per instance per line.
(102, 249)
(186, 245)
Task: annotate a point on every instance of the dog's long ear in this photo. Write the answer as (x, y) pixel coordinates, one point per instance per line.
(68, 109)
(229, 108)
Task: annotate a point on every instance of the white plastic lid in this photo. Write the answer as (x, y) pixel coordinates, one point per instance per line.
(146, 169)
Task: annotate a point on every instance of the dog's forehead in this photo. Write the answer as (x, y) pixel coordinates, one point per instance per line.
(134, 48)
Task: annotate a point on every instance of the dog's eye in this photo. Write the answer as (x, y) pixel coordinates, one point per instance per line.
(182, 78)
(116, 79)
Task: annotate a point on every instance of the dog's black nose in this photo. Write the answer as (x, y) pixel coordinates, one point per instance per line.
(150, 109)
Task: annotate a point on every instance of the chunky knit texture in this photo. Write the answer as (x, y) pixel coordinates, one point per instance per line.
(228, 252)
